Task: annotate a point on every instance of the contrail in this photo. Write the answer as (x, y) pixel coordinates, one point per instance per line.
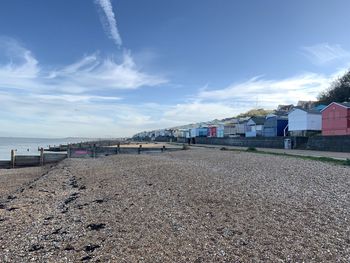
(109, 22)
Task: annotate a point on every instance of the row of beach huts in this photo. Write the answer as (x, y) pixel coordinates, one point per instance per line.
(306, 119)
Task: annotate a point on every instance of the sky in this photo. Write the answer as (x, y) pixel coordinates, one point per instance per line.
(112, 68)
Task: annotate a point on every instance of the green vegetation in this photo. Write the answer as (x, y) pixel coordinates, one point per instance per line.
(305, 157)
(321, 159)
(251, 149)
(254, 112)
(185, 147)
(338, 92)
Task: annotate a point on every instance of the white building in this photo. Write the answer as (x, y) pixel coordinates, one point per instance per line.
(303, 122)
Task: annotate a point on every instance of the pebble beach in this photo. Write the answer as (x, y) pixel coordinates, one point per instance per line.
(198, 205)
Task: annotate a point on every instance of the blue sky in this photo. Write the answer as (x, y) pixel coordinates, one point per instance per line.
(109, 68)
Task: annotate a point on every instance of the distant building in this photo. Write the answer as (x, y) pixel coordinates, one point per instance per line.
(336, 119)
(306, 105)
(255, 126)
(284, 108)
(302, 122)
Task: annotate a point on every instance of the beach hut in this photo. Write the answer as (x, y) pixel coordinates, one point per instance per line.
(336, 119)
(202, 132)
(242, 126)
(220, 131)
(161, 133)
(211, 131)
(168, 133)
(193, 133)
(275, 125)
(183, 133)
(255, 126)
(231, 128)
(303, 122)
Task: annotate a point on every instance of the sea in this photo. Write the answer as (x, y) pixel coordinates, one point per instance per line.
(29, 146)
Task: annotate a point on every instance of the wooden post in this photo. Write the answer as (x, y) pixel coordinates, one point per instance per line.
(41, 156)
(94, 151)
(13, 158)
(140, 148)
(68, 151)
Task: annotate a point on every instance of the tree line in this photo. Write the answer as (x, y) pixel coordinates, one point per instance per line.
(339, 91)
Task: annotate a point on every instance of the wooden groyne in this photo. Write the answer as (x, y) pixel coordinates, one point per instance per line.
(99, 143)
(80, 150)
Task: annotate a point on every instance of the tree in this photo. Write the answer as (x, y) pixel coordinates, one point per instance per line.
(339, 91)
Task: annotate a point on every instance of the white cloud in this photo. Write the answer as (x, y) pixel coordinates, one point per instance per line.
(90, 73)
(197, 111)
(35, 101)
(325, 53)
(66, 115)
(77, 98)
(99, 116)
(108, 21)
(93, 72)
(258, 92)
(268, 93)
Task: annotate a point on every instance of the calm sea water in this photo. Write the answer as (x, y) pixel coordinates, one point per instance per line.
(29, 146)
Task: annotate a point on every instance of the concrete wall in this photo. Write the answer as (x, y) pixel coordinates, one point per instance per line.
(320, 143)
(329, 143)
(263, 142)
(165, 139)
(5, 164)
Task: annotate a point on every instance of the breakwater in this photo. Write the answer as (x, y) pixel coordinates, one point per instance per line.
(81, 150)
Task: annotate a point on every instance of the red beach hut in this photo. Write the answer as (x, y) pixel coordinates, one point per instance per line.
(212, 131)
(336, 119)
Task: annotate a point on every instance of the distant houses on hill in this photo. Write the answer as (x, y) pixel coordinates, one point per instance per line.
(306, 119)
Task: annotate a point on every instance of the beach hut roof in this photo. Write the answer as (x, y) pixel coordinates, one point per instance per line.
(343, 104)
(311, 111)
(258, 120)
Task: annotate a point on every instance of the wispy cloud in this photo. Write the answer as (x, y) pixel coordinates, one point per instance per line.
(36, 100)
(325, 53)
(92, 72)
(268, 93)
(109, 21)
